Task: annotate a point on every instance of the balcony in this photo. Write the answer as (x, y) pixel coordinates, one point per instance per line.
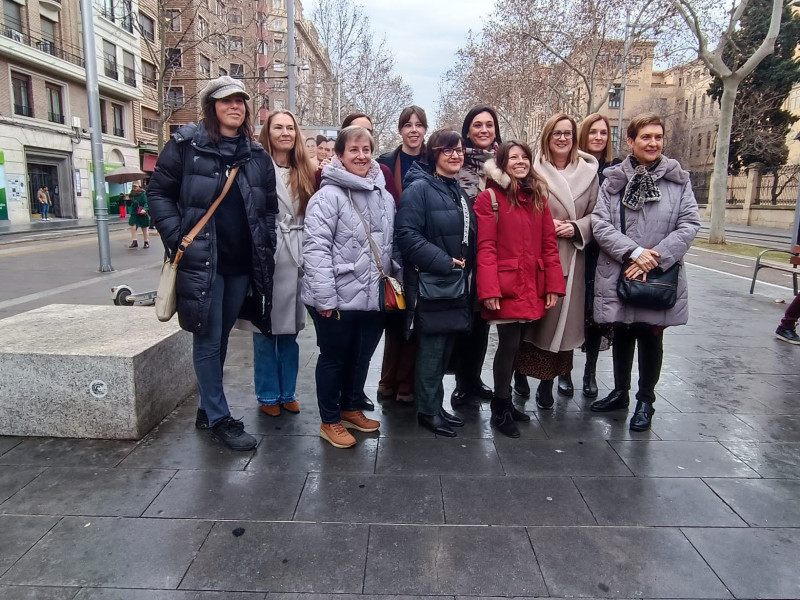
(51, 4)
(45, 46)
(23, 110)
(55, 118)
(149, 81)
(150, 126)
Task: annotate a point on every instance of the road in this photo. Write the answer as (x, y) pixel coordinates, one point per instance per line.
(36, 272)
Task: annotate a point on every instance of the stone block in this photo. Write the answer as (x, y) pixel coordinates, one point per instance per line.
(109, 372)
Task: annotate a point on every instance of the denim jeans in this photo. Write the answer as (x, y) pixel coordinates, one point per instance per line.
(347, 341)
(209, 349)
(45, 209)
(276, 361)
(433, 354)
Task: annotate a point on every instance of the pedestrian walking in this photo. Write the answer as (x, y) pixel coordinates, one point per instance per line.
(45, 202)
(351, 214)
(227, 270)
(436, 235)
(593, 138)
(787, 330)
(399, 352)
(645, 221)
(139, 216)
(571, 177)
(481, 134)
(519, 272)
(276, 358)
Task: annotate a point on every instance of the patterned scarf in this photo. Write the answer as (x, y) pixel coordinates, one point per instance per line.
(470, 176)
(641, 188)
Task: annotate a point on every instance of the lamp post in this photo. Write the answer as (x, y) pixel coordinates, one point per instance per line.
(625, 49)
(290, 57)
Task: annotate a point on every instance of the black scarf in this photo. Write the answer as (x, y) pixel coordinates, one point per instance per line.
(641, 188)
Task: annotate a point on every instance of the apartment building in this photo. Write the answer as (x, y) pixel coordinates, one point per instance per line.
(44, 120)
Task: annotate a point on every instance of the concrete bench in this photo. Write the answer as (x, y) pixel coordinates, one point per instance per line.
(790, 267)
(109, 372)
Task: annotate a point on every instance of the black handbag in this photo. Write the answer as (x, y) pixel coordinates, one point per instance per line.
(658, 292)
(442, 287)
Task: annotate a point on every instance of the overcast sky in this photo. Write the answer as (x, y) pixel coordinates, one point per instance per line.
(423, 36)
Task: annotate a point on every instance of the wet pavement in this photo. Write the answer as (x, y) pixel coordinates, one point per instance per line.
(706, 505)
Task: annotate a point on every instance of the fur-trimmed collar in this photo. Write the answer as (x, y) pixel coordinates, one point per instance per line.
(495, 174)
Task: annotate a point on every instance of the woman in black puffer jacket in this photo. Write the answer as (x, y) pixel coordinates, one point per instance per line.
(230, 264)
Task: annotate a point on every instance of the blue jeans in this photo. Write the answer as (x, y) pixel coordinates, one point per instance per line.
(45, 209)
(276, 361)
(209, 349)
(347, 341)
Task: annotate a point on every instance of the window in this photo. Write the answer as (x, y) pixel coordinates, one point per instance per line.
(279, 4)
(615, 97)
(149, 125)
(174, 58)
(694, 106)
(222, 44)
(48, 29)
(128, 68)
(147, 27)
(148, 74)
(119, 120)
(173, 18)
(202, 27)
(279, 66)
(103, 117)
(237, 70)
(708, 141)
(703, 106)
(107, 9)
(699, 142)
(686, 108)
(262, 47)
(55, 111)
(235, 43)
(175, 98)
(635, 59)
(220, 10)
(277, 45)
(276, 24)
(205, 66)
(235, 16)
(614, 136)
(23, 103)
(110, 59)
(12, 13)
(174, 128)
(126, 19)
(279, 105)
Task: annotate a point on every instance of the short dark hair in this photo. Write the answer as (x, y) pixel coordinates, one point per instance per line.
(211, 122)
(410, 111)
(643, 120)
(441, 138)
(348, 120)
(321, 139)
(474, 112)
(354, 131)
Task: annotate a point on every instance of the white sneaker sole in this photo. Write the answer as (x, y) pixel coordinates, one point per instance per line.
(325, 437)
(351, 425)
(787, 340)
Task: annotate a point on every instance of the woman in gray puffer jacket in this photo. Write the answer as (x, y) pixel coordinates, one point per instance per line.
(661, 221)
(342, 282)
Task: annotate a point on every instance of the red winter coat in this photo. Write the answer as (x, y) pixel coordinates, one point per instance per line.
(517, 253)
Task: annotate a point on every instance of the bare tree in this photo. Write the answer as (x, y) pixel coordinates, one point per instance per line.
(694, 15)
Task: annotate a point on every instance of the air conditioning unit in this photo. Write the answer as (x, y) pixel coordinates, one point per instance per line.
(76, 123)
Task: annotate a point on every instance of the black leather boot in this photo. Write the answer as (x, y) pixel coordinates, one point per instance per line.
(589, 380)
(521, 386)
(640, 421)
(518, 415)
(502, 418)
(544, 394)
(616, 400)
(565, 387)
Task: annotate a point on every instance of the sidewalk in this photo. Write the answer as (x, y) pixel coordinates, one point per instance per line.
(703, 506)
(55, 228)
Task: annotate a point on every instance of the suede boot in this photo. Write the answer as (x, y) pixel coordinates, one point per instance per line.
(502, 418)
(544, 394)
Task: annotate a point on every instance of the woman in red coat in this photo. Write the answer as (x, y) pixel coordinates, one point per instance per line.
(519, 273)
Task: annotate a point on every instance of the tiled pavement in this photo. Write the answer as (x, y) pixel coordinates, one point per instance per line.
(706, 505)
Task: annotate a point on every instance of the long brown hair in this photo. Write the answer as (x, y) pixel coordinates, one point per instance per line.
(532, 181)
(583, 136)
(544, 141)
(211, 122)
(301, 171)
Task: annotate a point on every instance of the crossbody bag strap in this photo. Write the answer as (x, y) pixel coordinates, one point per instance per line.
(189, 237)
(372, 244)
(495, 206)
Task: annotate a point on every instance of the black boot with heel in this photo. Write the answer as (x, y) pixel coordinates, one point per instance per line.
(502, 417)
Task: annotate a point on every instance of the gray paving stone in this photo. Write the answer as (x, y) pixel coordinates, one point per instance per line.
(12, 479)
(281, 557)
(398, 420)
(475, 561)
(87, 491)
(457, 455)
(565, 457)
(18, 534)
(121, 594)
(371, 499)
(305, 453)
(590, 426)
(703, 427)
(720, 393)
(228, 495)
(681, 459)
(111, 552)
(513, 501)
(655, 502)
(13, 592)
(753, 563)
(65, 452)
(7, 442)
(774, 428)
(762, 502)
(620, 562)
(193, 449)
(280, 596)
(776, 460)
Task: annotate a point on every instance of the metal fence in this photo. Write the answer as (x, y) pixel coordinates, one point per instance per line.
(737, 188)
(778, 187)
(701, 184)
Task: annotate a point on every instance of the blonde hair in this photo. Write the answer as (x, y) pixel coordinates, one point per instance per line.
(583, 136)
(544, 141)
(301, 170)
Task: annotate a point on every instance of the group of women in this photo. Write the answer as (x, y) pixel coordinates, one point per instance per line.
(481, 232)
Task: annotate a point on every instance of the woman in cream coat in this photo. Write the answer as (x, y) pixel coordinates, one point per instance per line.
(571, 177)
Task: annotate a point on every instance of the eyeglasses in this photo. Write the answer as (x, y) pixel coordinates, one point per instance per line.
(449, 151)
(567, 135)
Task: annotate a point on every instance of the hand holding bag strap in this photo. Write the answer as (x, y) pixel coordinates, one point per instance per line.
(189, 237)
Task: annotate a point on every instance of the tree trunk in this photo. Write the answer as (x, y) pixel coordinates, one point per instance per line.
(719, 178)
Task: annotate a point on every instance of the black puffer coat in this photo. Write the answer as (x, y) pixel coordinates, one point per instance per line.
(189, 176)
(429, 229)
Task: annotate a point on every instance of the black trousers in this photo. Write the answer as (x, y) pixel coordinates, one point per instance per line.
(469, 352)
(651, 353)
